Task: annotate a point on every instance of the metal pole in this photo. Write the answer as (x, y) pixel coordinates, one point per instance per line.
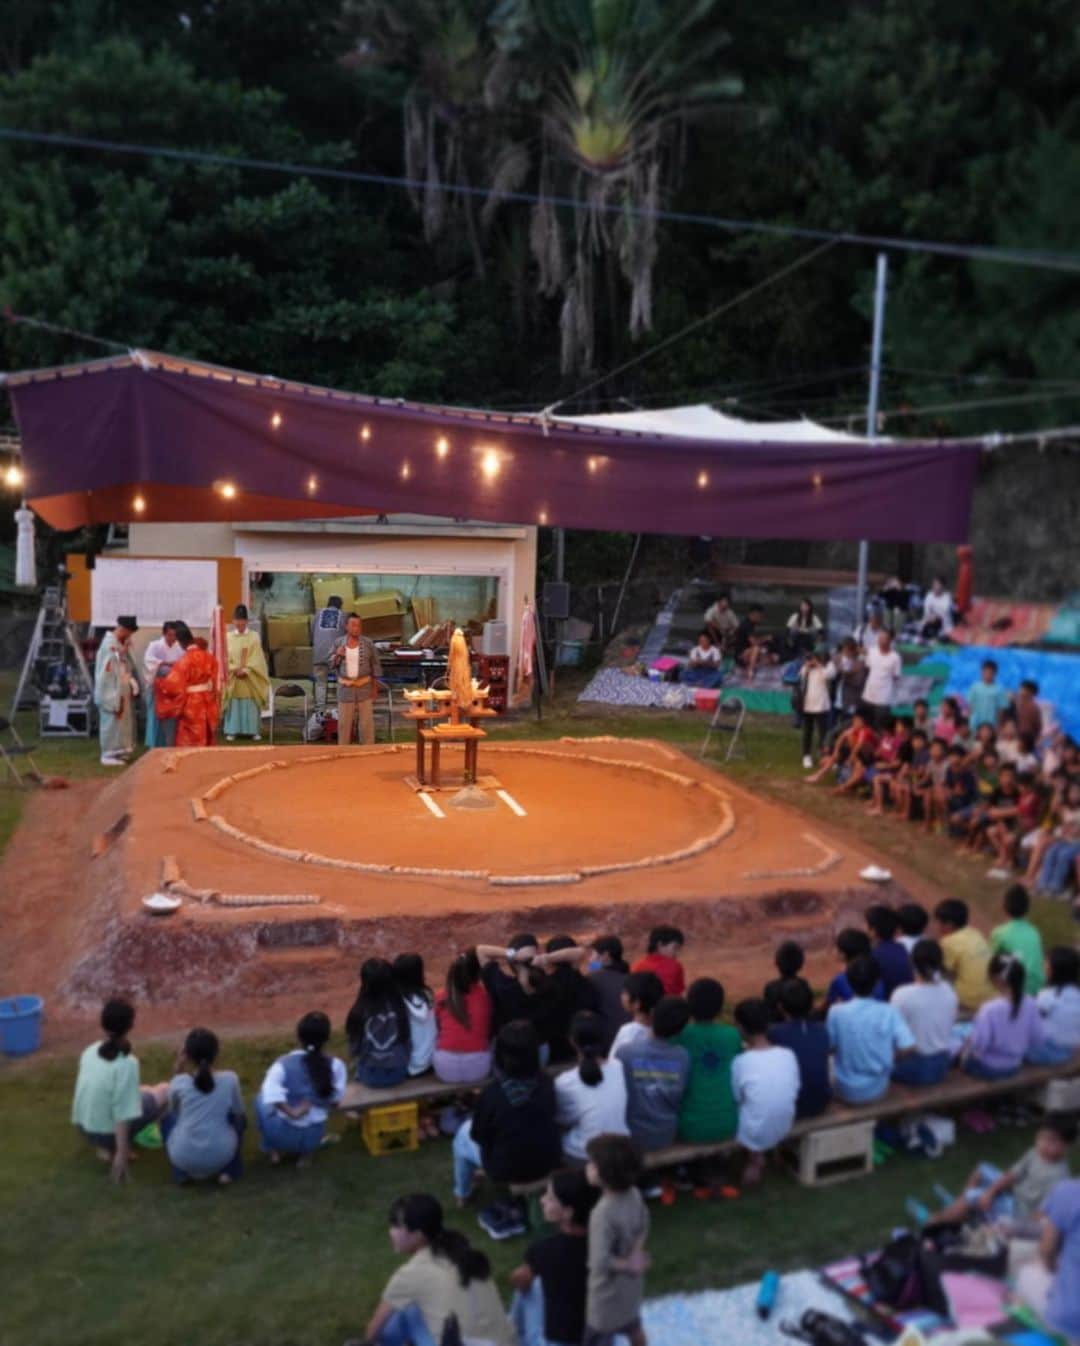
(871, 418)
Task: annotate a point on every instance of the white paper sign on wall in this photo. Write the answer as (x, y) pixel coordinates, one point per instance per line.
(153, 591)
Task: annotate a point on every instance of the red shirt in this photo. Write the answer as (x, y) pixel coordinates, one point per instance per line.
(669, 970)
(453, 1036)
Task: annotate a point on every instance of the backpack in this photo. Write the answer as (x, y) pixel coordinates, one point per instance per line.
(382, 1059)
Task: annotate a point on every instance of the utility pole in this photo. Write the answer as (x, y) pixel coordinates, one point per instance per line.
(872, 417)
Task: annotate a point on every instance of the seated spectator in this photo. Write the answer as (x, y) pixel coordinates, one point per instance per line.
(1002, 821)
(420, 1006)
(966, 953)
(1015, 1197)
(657, 1070)
(205, 1122)
(816, 678)
(789, 960)
(914, 762)
(751, 646)
(765, 1080)
(522, 991)
(920, 717)
(298, 1092)
(708, 1110)
(665, 944)
(928, 785)
(720, 622)
(1059, 1003)
(987, 698)
(705, 663)
(890, 957)
(937, 611)
(463, 1019)
(377, 1026)
(618, 1229)
(850, 944)
(557, 1266)
(868, 632)
(512, 1135)
(803, 630)
(809, 1041)
(1055, 858)
(913, 920)
(961, 791)
(851, 754)
(642, 993)
(1017, 935)
(1027, 758)
(1050, 1285)
(110, 1106)
(608, 973)
(1005, 1028)
(949, 712)
(570, 990)
(590, 1100)
(866, 1037)
(928, 1007)
(444, 1278)
(892, 763)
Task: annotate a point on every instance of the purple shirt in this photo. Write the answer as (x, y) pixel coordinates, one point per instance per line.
(1062, 1209)
(1001, 1042)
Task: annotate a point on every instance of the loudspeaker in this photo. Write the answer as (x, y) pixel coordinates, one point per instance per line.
(556, 600)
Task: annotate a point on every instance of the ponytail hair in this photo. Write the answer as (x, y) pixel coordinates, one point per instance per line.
(1009, 968)
(117, 1018)
(461, 977)
(201, 1049)
(313, 1033)
(587, 1035)
(422, 1214)
(612, 946)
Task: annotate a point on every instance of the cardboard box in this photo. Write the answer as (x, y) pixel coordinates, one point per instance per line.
(293, 661)
(293, 629)
(383, 603)
(383, 628)
(343, 586)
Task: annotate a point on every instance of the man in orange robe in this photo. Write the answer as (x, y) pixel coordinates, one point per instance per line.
(189, 694)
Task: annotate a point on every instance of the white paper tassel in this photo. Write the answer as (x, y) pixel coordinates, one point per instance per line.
(25, 567)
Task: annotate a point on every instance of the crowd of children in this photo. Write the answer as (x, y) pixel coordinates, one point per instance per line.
(989, 773)
(649, 1061)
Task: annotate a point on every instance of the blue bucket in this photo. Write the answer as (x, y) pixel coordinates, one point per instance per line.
(20, 1024)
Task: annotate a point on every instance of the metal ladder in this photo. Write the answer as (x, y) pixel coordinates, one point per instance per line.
(52, 641)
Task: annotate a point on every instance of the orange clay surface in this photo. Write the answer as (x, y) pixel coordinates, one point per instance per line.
(75, 930)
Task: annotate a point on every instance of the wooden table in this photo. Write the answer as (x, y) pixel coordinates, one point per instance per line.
(468, 734)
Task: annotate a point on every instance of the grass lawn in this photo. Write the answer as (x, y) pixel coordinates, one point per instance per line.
(300, 1257)
(287, 1257)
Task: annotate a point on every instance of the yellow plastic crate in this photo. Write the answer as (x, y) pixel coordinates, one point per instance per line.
(392, 1128)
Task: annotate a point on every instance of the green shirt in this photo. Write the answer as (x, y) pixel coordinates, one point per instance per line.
(1023, 939)
(709, 1111)
(106, 1092)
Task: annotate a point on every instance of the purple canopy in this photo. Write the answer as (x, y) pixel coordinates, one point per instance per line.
(151, 437)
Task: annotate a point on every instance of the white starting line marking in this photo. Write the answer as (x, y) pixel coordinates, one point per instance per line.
(430, 803)
(511, 803)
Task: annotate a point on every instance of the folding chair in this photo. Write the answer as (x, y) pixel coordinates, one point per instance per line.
(289, 691)
(11, 748)
(385, 707)
(726, 718)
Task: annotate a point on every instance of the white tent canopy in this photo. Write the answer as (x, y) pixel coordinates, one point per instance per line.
(700, 421)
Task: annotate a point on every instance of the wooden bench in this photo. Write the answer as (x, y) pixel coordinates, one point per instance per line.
(358, 1098)
(788, 577)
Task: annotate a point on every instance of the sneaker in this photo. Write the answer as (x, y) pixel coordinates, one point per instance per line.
(808, 763)
(502, 1221)
(997, 873)
(109, 760)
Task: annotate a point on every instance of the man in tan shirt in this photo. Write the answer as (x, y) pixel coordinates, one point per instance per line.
(356, 664)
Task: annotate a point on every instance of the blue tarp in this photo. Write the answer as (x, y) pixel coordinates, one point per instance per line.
(1058, 676)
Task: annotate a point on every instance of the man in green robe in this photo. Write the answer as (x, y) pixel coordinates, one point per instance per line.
(247, 684)
(116, 685)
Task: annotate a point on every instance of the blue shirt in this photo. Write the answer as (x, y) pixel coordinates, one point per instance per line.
(1062, 1209)
(840, 990)
(986, 701)
(809, 1040)
(865, 1035)
(893, 965)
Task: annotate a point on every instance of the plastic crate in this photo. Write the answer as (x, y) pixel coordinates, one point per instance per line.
(392, 1128)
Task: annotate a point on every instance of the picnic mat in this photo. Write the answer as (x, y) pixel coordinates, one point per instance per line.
(729, 1317)
(613, 687)
(998, 623)
(847, 1279)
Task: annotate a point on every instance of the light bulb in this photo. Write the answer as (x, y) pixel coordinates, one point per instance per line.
(442, 446)
(816, 479)
(138, 504)
(702, 480)
(365, 433)
(275, 420)
(14, 477)
(490, 464)
(228, 490)
(406, 471)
